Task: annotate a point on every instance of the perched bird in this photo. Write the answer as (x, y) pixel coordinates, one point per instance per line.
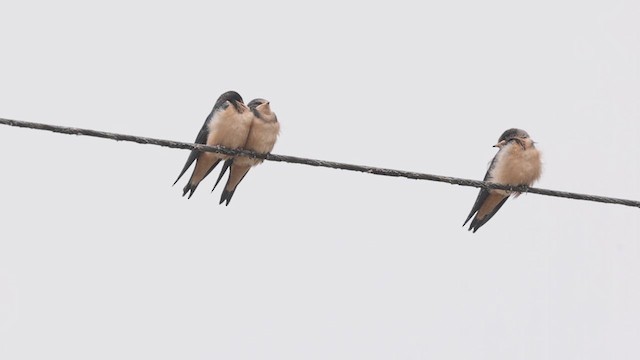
(516, 163)
(262, 137)
(227, 125)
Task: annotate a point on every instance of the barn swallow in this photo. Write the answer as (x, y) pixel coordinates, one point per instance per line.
(516, 163)
(262, 137)
(227, 125)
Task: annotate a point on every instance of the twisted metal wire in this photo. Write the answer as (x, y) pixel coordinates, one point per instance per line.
(319, 163)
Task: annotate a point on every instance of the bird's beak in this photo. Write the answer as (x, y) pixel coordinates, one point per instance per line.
(500, 144)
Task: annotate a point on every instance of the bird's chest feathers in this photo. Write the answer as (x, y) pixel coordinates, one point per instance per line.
(229, 128)
(517, 166)
(263, 136)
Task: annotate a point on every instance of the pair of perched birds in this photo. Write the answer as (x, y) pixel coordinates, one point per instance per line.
(234, 125)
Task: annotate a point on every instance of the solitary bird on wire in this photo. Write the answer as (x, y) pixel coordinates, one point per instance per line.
(262, 137)
(227, 125)
(516, 163)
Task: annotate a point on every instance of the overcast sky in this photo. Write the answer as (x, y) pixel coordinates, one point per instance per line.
(101, 258)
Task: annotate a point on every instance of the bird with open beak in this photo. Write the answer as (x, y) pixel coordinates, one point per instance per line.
(516, 163)
(262, 138)
(227, 125)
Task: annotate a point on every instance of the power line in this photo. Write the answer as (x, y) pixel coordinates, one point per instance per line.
(314, 162)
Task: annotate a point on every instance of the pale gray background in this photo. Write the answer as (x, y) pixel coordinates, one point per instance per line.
(100, 258)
